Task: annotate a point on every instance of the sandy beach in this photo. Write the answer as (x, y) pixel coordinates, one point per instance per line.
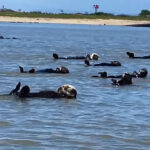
(71, 21)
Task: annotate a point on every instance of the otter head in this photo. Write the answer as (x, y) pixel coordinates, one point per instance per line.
(116, 63)
(24, 91)
(94, 56)
(143, 72)
(32, 70)
(67, 91)
(64, 69)
(131, 55)
(1, 37)
(55, 55)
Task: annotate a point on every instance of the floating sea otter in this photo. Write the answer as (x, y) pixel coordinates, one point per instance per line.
(2, 37)
(65, 91)
(131, 55)
(60, 70)
(141, 74)
(126, 79)
(112, 63)
(93, 56)
(104, 75)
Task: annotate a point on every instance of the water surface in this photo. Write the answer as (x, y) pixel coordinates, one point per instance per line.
(102, 117)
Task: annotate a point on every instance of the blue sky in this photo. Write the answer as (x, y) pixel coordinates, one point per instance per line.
(111, 6)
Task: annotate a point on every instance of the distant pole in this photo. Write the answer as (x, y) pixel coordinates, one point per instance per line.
(96, 7)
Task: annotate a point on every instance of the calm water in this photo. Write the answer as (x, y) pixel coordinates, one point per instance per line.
(103, 117)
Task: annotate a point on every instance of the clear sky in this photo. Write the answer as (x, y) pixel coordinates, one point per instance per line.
(73, 6)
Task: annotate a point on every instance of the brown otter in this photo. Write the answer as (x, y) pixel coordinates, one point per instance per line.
(60, 70)
(65, 91)
(126, 79)
(93, 56)
(112, 63)
(141, 74)
(2, 37)
(131, 55)
(104, 75)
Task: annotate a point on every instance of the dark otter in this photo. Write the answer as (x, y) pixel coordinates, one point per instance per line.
(65, 91)
(93, 56)
(141, 74)
(126, 79)
(2, 37)
(60, 70)
(104, 75)
(131, 55)
(112, 63)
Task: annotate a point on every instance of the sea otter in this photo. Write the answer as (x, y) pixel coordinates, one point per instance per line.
(141, 74)
(112, 63)
(131, 55)
(2, 37)
(65, 91)
(93, 56)
(60, 70)
(126, 79)
(104, 75)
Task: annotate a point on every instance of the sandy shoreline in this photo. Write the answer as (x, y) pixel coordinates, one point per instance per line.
(72, 21)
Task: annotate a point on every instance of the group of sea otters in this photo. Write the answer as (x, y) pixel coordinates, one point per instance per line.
(124, 79)
(69, 91)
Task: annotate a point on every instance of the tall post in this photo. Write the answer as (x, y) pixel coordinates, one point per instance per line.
(96, 7)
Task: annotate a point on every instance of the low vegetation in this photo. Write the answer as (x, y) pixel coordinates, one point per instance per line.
(144, 15)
